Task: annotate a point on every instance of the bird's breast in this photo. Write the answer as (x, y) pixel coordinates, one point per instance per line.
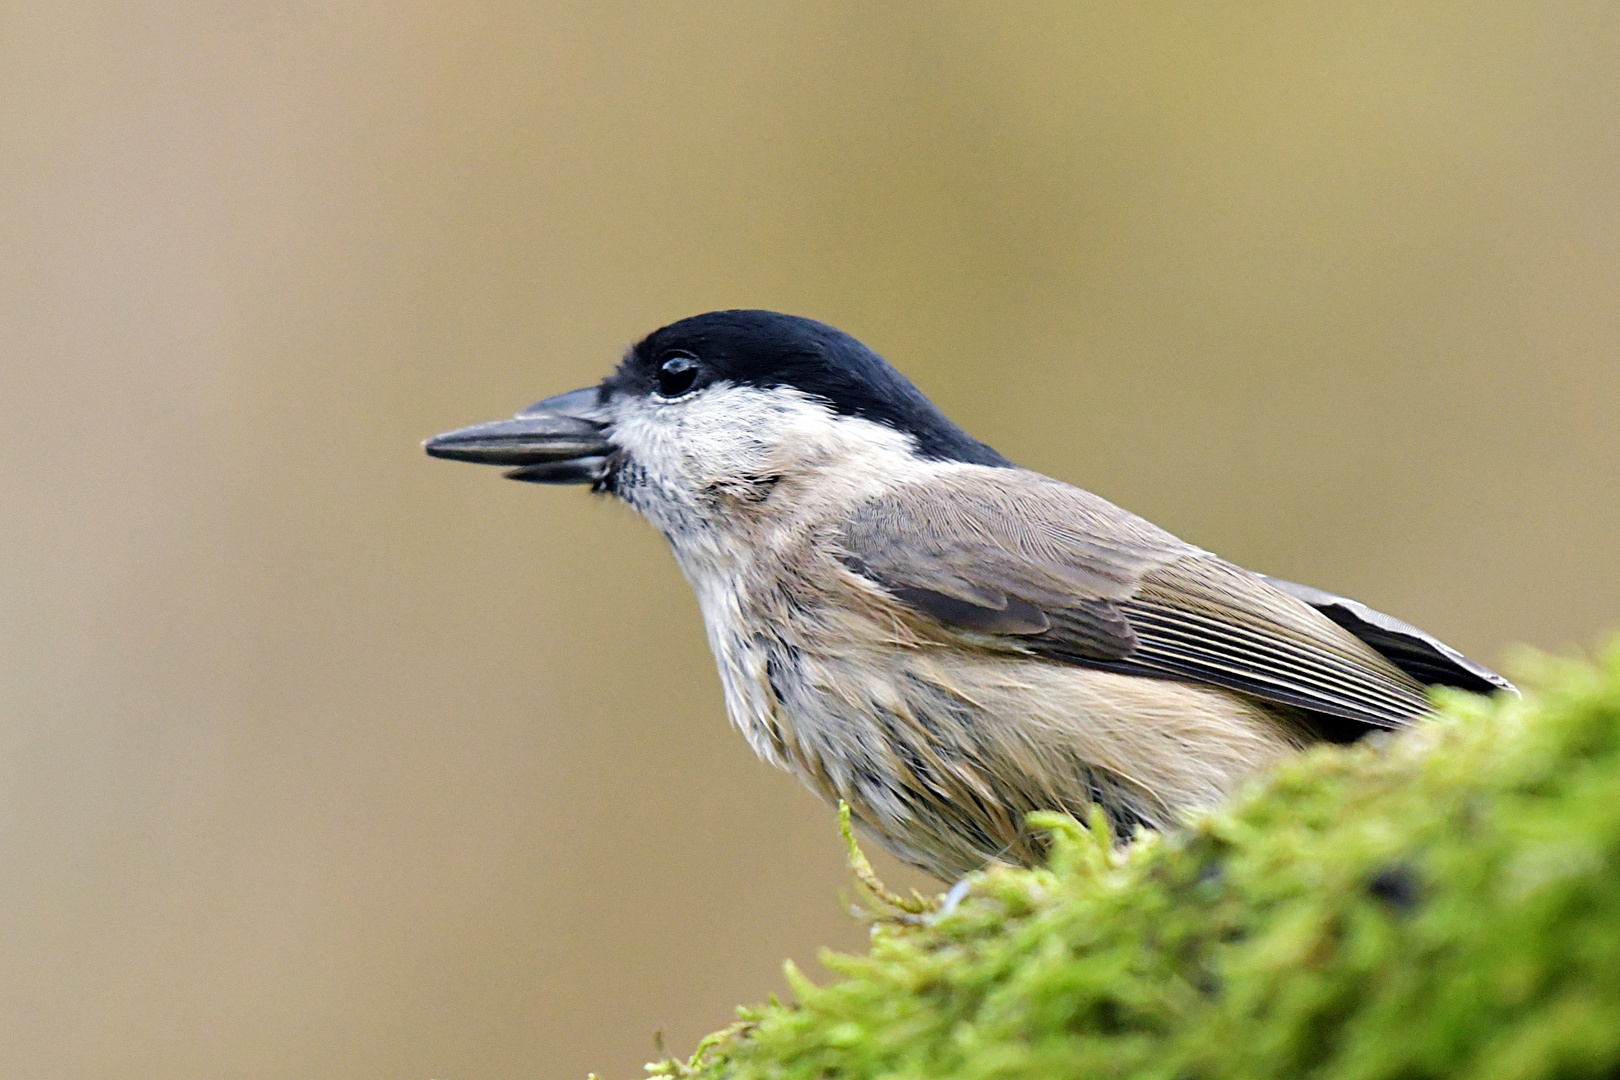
(942, 751)
(940, 747)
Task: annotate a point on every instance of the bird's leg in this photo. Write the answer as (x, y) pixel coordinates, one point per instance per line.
(954, 896)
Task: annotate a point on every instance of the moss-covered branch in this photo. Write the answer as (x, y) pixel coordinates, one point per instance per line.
(1443, 903)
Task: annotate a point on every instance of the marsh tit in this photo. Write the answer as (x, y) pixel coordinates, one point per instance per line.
(909, 622)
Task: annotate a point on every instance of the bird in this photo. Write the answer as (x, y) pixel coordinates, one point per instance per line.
(913, 625)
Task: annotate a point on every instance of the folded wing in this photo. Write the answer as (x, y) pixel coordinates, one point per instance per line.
(1014, 559)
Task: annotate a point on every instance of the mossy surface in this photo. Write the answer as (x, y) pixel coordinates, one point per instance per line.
(1442, 903)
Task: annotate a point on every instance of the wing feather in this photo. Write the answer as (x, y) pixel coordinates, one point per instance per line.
(1061, 573)
(1421, 655)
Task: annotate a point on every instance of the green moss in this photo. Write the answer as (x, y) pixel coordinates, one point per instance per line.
(1445, 903)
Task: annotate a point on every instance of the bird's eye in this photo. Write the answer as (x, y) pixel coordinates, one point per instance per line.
(676, 375)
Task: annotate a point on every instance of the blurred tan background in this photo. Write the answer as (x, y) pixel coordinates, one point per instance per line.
(320, 758)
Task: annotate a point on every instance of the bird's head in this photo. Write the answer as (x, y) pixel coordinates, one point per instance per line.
(717, 411)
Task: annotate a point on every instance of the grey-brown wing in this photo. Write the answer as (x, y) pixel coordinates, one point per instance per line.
(1011, 552)
(1061, 573)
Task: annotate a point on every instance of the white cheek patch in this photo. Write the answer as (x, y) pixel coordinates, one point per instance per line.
(728, 434)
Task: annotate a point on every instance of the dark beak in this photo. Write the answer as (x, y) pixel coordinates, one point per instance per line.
(557, 441)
